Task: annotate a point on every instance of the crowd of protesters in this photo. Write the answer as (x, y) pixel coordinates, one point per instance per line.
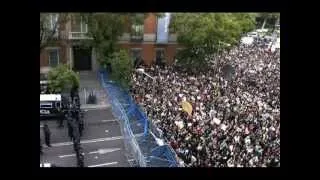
(235, 121)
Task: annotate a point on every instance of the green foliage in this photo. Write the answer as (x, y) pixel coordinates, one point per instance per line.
(61, 78)
(106, 28)
(267, 20)
(122, 67)
(204, 34)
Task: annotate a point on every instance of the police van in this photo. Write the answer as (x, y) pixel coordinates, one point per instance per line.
(50, 105)
(43, 86)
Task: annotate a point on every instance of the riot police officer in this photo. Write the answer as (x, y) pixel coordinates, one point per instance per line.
(47, 135)
(72, 94)
(80, 157)
(76, 135)
(81, 126)
(62, 116)
(70, 126)
(41, 147)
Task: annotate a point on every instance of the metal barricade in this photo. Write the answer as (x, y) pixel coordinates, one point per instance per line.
(140, 137)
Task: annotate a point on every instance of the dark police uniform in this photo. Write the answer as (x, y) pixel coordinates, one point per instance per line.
(70, 128)
(40, 148)
(47, 134)
(80, 157)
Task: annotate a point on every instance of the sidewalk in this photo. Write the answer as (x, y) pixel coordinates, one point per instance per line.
(94, 106)
(89, 83)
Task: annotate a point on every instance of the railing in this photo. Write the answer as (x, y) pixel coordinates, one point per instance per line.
(79, 35)
(139, 136)
(136, 38)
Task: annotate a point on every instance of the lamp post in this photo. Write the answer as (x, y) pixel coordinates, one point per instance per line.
(159, 141)
(142, 71)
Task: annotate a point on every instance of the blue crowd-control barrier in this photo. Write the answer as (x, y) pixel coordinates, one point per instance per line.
(140, 137)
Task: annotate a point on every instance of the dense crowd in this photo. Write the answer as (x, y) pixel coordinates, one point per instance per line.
(235, 122)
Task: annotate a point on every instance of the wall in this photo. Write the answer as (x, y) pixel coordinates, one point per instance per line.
(63, 53)
(148, 48)
(149, 51)
(150, 24)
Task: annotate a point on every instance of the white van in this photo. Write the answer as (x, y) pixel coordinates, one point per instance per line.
(247, 40)
(50, 105)
(253, 34)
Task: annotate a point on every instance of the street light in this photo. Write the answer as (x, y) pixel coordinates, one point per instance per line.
(141, 70)
(160, 142)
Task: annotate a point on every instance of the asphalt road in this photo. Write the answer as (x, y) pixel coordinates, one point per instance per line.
(102, 142)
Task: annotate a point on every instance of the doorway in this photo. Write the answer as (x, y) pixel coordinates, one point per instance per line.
(82, 58)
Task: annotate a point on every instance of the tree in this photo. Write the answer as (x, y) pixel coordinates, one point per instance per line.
(61, 78)
(268, 16)
(204, 34)
(106, 28)
(50, 23)
(124, 67)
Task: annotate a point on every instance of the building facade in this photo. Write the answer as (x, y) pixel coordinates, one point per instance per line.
(149, 41)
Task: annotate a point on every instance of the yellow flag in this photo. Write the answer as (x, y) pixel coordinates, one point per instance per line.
(187, 107)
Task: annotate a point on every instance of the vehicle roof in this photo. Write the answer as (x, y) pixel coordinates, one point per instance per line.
(43, 82)
(50, 97)
(247, 40)
(45, 165)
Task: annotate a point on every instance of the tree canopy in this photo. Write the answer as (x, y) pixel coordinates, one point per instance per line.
(268, 19)
(204, 34)
(123, 66)
(62, 78)
(105, 30)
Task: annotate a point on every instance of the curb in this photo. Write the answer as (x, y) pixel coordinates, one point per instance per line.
(96, 107)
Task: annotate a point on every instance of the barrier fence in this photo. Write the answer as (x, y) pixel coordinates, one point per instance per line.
(141, 138)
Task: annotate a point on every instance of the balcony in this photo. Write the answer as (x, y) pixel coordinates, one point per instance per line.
(137, 33)
(78, 35)
(136, 38)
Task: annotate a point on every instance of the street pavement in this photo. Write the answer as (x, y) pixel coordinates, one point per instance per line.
(102, 142)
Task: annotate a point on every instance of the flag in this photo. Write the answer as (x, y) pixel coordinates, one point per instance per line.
(187, 107)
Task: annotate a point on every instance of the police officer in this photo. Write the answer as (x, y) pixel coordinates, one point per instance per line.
(41, 147)
(81, 126)
(76, 135)
(80, 157)
(47, 135)
(72, 94)
(69, 123)
(73, 112)
(79, 121)
(61, 118)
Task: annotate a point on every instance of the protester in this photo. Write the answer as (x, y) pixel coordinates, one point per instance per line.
(234, 123)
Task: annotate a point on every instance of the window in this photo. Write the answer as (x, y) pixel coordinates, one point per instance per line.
(53, 21)
(45, 105)
(137, 32)
(78, 25)
(160, 55)
(135, 53)
(53, 57)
